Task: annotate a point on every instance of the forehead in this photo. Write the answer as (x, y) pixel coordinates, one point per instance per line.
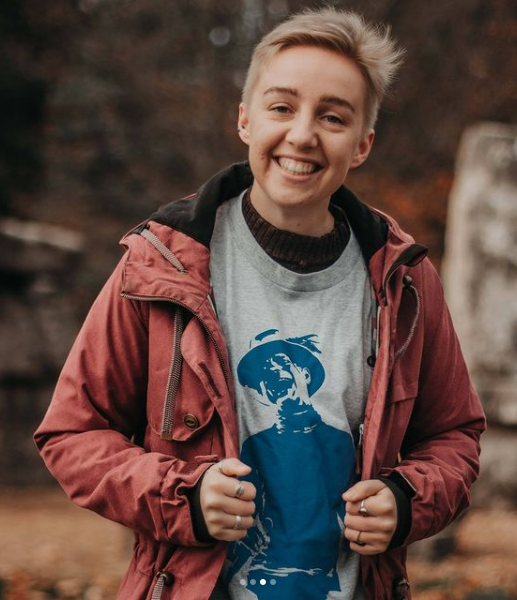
(314, 73)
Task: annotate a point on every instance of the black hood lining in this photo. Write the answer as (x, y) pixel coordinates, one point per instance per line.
(195, 215)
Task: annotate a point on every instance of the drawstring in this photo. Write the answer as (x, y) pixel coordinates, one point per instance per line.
(163, 250)
(408, 285)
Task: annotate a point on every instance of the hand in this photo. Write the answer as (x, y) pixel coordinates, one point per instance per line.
(219, 502)
(376, 528)
(301, 378)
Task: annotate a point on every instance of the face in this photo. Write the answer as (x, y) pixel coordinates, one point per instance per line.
(304, 125)
(279, 380)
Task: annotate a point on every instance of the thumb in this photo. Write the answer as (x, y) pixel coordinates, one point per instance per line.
(363, 489)
(233, 467)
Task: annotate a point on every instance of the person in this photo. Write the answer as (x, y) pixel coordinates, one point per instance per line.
(302, 465)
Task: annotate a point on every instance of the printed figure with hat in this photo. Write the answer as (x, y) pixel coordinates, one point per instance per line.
(287, 373)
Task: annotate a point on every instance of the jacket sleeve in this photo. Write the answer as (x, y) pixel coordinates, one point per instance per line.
(440, 453)
(98, 407)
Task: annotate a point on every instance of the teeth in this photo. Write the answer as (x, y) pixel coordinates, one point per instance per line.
(295, 167)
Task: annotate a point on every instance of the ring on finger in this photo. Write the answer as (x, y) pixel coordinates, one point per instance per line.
(358, 540)
(220, 466)
(363, 511)
(239, 491)
(238, 522)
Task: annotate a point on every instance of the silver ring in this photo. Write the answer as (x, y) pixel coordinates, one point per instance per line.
(358, 540)
(240, 490)
(238, 522)
(363, 511)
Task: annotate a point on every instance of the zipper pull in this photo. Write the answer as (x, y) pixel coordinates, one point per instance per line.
(163, 579)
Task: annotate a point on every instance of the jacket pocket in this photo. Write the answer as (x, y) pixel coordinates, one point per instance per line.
(191, 415)
(399, 406)
(403, 384)
(178, 406)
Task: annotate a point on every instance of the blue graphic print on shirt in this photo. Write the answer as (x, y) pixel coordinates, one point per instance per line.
(300, 467)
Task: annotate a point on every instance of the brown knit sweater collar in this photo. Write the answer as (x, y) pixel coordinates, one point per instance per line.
(299, 253)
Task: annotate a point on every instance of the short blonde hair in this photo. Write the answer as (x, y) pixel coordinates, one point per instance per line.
(371, 47)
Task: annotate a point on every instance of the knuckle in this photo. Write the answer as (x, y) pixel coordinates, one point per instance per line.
(213, 519)
(386, 526)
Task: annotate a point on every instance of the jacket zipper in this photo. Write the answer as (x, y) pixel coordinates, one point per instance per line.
(173, 383)
(359, 451)
(162, 579)
(173, 380)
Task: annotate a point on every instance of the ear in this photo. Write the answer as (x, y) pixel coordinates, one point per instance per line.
(243, 123)
(363, 149)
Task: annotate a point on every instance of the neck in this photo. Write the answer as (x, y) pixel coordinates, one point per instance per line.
(311, 221)
(293, 417)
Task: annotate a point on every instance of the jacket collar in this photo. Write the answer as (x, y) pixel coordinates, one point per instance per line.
(384, 245)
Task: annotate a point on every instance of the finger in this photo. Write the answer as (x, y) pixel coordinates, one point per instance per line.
(230, 487)
(234, 506)
(363, 489)
(231, 522)
(378, 525)
(218, 520)
(369, 543)
(232, 467)
(229, 535)
(381, 504)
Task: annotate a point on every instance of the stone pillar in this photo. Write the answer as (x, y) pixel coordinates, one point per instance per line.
(38, 322)
(480, 278)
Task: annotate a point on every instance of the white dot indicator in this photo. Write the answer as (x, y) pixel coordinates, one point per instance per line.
(262, 582)
(273, 582)
(252, 581)
(242, 582)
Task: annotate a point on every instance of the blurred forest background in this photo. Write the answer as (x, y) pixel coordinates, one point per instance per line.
(110, 108)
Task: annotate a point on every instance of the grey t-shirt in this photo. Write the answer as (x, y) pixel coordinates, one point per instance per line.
(298, 345)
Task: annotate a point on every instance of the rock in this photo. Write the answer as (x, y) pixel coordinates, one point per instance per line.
(480, 265)
(30, 247)
(38, 322)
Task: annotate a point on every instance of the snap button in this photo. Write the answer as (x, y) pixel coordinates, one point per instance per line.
(370, 361)
(191, 421)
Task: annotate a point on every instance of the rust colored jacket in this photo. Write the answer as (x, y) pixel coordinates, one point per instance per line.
(145, 402)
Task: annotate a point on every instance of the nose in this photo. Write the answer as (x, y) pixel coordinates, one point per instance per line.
(302, 132)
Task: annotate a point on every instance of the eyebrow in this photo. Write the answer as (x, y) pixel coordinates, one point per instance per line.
(324, 99)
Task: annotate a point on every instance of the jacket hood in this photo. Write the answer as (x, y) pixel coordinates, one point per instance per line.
(195, 215)
(383, 244)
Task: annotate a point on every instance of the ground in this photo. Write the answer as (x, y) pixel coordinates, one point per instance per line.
(51, 549)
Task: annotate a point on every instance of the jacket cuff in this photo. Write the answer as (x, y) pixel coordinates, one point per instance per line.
(403, 494)
(175, 504)
(196, 512)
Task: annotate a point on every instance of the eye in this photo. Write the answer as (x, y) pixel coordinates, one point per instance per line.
(334, 119)
(281, 109)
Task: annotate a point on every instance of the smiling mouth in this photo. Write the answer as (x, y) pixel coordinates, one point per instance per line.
(297, 167)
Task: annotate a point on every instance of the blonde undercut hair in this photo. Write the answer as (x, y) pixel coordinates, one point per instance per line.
(371, 47)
